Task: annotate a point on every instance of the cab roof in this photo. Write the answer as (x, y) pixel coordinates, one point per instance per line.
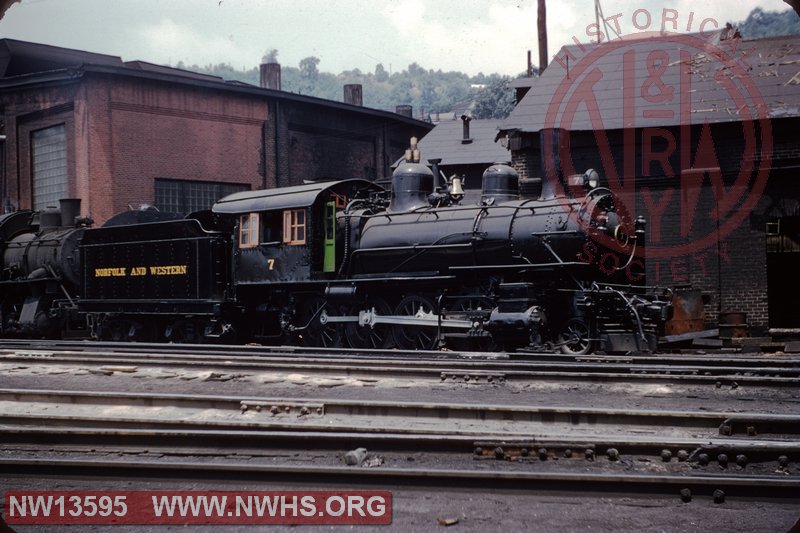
(291, 197)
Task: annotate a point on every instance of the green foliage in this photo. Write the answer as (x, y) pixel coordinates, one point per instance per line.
(426, 90)
(760, 23)
(497, 100)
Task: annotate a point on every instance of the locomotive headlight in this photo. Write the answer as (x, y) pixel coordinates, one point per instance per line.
(591, 179)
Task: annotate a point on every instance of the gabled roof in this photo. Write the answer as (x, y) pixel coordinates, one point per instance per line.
(771, 68)
(21, 57)
(289, 197)
(444, 141)
(24, 64)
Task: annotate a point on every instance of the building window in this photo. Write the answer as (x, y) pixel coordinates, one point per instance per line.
(184, 197)
(49, 160)
(294, 226)
(248, 230)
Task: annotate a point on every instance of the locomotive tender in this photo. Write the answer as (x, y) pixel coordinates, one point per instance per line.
(347, 263)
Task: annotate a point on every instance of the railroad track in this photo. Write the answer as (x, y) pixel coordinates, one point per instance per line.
(48, 432)
(716, 358)
(197, 410)
(761, 371)
(28, 411)
(576, 449)
(716, 486)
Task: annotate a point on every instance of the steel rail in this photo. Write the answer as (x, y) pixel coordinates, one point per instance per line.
(747, 486)
(466, 370)
(182, 410)
(716, 359)
(161, 440)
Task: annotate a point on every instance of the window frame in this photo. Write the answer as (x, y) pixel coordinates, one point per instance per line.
(293, 226)
(249, 225)
(188, 196)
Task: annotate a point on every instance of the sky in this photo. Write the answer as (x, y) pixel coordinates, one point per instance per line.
(469, 36)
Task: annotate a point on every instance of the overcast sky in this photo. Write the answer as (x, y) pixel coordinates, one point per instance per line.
(465, 35)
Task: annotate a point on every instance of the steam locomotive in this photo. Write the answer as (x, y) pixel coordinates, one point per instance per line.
(346, 263)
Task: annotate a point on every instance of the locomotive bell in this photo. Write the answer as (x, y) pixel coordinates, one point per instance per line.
(411, 185)
(500, 183)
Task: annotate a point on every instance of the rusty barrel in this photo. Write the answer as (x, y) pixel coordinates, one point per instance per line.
(732, 325)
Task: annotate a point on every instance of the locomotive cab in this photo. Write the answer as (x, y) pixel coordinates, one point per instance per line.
(289, 235)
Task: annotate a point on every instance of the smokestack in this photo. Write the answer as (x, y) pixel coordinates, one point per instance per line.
(271, 76)
(405, 110)
(530, 65)
(70, 210)
(352, 94)
(541, 23)
(466, 139)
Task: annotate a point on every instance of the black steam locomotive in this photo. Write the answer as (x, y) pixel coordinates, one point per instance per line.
(41, 273)
(347, 263)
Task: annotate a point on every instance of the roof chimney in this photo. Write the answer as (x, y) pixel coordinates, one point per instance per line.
(405, 110)
(271, 76)
(466, 139)
(352, 94)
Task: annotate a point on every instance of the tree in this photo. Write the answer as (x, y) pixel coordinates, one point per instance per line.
(308, 68)
(495, 101)
(760, 23)
(309, 75)
(381, 75)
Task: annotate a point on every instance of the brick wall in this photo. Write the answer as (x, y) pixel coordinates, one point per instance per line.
(23, 113)
(123, 132)
(154, 131)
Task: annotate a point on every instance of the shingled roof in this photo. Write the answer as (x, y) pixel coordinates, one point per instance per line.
(445, 141)
(705, 84)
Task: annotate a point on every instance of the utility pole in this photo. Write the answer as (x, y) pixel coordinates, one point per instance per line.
(541, 24)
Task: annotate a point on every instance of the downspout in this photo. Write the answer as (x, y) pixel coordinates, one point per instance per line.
(264, 126)
(3, 174)
(277, 144)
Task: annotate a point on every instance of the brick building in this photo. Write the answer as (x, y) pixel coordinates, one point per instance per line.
(114, 133)
(700, 133)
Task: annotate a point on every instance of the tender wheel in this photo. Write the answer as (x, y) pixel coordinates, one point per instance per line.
(414, 337)
(377, 337)
(126, 330)
(186, 331)
(575, 337)
(316, 333)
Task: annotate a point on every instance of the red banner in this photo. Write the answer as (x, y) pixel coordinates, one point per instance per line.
(199, 507)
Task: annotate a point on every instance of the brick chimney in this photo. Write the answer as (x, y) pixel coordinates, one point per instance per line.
(353, 94)
(271, 76)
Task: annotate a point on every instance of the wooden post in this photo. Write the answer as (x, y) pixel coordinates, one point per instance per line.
(542, 27)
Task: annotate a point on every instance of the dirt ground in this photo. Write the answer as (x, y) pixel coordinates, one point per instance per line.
(427, 510)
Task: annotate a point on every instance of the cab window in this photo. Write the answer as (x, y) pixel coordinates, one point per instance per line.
(248, 230)
(294, 226)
